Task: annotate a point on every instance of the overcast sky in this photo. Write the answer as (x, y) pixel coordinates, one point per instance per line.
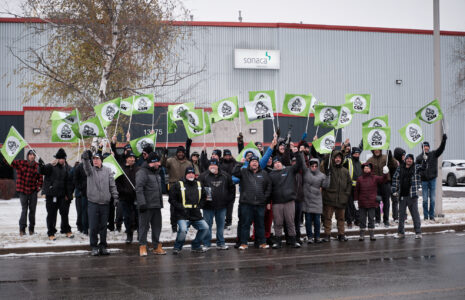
(416, 14)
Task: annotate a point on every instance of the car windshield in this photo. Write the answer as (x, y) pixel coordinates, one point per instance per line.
(462, 164)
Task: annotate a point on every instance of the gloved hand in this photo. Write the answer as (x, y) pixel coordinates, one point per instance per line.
(356, 204)
(41, 162)
(116, 202)
(85, 155)
(304, 136)
(385, 170)
(142, 208)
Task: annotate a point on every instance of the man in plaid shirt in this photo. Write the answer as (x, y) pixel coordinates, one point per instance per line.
(28, 184)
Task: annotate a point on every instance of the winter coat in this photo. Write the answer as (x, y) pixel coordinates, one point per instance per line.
(366, 189)
(255, 187)
(28, 179)
(312, 183)
(190, 210)
(176, 168)
(148, 187)
(283, 182)
(340, 185)
(355, 168)
(222, 188)
(80, 179)
(101, 185)
(379, 162)
(58, 181)
(430, 165)
(415, 181)
(227, 165)
(125, 188)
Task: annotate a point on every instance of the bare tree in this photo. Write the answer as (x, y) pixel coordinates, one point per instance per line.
(460, 60)
(96, 50)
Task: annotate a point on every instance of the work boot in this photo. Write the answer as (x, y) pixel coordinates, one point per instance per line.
(31, 230)
(294, 243)
(129, 237)
(159, 250)
(104, 251)
(342, 238)
(143, 250)
(362, 235)
(70, 235)
(326, 238)
(372, 235)
(317, 240)
(22, 232)
(277, 244)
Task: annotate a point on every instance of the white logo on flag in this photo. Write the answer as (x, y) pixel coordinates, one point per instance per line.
(64, 132)
(13, 146)
(141, 144)
(296, 105)
(178, 110)
(109, 111)
(89, 129)
(226, 109)
(377, 138)
(430, 113)
(328, 143)
(142, 104)
(346, 116)
(413, 132)
(125, 106)
(359, 103)
(328, 114)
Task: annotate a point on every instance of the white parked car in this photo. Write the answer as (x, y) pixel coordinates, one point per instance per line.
(453, 172)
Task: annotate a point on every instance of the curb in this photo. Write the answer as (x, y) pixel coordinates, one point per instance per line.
(133, 247)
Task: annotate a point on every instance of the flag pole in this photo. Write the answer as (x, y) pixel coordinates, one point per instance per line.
(235, 125)
(79, 128)
(274, 128)
(167, 128)
(117, 119)
(308, 118)
(79, 150)
(240, 122)
(318, 127)
(153, 114)
(130, 118)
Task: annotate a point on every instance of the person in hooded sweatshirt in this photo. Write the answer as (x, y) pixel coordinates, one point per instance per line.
(352, 163)
(58, 189)
(406, 183)
(149, 202)
(283, 195)
(399, 155)
(188, 196)
(365, 194)
(312, 206)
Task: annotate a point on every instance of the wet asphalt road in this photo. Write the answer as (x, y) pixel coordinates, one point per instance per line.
(431, 268)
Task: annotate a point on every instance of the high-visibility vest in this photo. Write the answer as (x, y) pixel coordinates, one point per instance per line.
(351, 170)
(183, 194)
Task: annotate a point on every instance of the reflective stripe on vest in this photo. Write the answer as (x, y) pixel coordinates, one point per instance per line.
(183, 194)
(351, 171)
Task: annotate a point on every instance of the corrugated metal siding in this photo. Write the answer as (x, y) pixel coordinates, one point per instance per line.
(327, 63)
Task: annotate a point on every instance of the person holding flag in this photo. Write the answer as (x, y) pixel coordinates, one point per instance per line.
(28, 184)
(101, 188)
(429, 162)
(58, 189)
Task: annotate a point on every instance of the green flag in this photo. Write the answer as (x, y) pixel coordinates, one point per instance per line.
(226, 109)
(256, 111)
(62, 132)
(177, 109)
(360, 102)
(139, 144)
(430, 113)
(13, 144)
(126, 106)
(205, 128)
(249, 147)
(345, 117)
(412, 133)
(70, 118)
(264, 95)
(326, 115)
(376, 138)
(194, 118)
(297, 105)
(90, 128)
(377, 122)
(111, 163)
(326, 143)
(107, 111)
(143, 104)
(313, 102)
(172, 127)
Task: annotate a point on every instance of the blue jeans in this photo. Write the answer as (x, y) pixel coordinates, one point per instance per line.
(255, 213)
(428, 190)
(220, 215)
(312, 219)
(183, 226)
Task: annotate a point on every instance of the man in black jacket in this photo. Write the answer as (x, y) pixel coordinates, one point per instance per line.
(255, 187)
(80, 183)
(429, 163)
(220, 192)
(150, 203)
(187, 196)
(58, 190)
(127, 195)
(227, 165)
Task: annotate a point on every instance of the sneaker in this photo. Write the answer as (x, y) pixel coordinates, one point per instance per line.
(317, 240)
(129, 238)
(342, 238)
(237, 245)
(94, 252)
(70, 235)
(176, 251)
(206, 248)
(243, 247)
(386, 225)
(418, 236)
(310, 241)
(265, 246)
(223, 247)
(433, 220)
(277, 245)
(396, 221)
(104, 251)
(198, 250)
(52, 238)
(377, 224)
(399, 236)
(327, 238)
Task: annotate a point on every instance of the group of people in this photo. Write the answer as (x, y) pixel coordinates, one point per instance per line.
(290, 183)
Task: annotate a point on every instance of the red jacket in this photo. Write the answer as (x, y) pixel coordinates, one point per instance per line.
(366, 189)
(28, 178)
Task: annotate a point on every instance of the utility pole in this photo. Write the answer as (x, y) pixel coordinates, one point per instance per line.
(438, 130)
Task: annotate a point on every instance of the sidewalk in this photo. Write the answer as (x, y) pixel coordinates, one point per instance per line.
(10, 241)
